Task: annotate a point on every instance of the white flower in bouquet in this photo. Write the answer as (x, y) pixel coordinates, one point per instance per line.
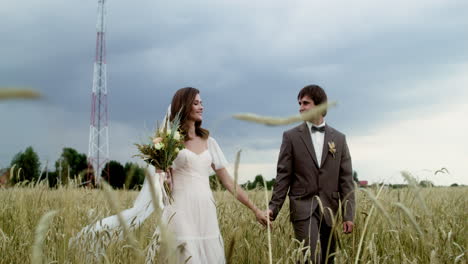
(177, 135)
(159, 145)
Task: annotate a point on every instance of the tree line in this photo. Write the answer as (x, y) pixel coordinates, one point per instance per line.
(71, 168)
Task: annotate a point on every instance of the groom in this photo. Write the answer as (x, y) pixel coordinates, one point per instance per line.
(314, 166)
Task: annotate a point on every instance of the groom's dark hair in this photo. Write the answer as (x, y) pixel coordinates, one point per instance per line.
(182, 104)
(316, 93)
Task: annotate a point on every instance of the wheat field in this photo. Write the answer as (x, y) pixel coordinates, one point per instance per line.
(408, 225)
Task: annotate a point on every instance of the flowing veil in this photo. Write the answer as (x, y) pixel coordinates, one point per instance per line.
(133, 217)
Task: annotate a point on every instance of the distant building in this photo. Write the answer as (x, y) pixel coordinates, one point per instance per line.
(4, 177)
(363, 183)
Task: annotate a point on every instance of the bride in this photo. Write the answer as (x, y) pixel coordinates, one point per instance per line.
(191, 216)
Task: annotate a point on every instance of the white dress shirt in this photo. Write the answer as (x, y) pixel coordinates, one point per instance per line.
(317, 140)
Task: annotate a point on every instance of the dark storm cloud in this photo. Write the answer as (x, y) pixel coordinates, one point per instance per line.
(244, 56)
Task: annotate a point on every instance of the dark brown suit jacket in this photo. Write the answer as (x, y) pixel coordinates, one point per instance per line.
(299, 175)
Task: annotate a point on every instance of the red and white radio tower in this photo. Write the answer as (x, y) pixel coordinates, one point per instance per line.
(98, 151)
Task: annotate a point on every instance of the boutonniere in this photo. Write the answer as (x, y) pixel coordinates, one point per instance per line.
(331, 148)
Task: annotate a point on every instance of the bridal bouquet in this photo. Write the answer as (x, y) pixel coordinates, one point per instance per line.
(163, 148)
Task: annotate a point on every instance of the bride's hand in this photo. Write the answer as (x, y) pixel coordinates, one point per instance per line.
(168, 179)
(261, 217)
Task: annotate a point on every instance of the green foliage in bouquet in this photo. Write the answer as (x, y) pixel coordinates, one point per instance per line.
(164, 145)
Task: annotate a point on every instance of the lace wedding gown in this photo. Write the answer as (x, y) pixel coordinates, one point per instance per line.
(191, 216)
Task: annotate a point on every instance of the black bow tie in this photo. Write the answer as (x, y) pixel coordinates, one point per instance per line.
(318, 129)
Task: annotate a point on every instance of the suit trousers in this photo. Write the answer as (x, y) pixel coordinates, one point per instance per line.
(315, 231)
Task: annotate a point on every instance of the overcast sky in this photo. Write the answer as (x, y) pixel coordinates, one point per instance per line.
(398, 70)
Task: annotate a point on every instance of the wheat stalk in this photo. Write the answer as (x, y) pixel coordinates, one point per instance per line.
(41, 231)
(270, 254)
(12, 172)
(166, 235)
(283, 121)
(13, 93)
(410, 217)
(236, 171)
(377, 204)
(111, 198)
(361, 240)
(3, 235)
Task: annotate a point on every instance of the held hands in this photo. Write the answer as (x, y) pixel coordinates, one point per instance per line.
(262, 217)
(348, 227)
(269, 213)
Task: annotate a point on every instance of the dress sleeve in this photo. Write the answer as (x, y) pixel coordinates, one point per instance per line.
(219, 161)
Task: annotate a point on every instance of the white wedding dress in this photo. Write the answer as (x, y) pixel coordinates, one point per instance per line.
(191, 216)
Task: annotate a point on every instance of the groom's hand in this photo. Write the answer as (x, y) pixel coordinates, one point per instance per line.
(269, 213)
(261, 217)
(348, 227)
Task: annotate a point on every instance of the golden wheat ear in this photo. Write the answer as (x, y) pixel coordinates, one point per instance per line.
(37, 254)
(15, 93)
(283, 121)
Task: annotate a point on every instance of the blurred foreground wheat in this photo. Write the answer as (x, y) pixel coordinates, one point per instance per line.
(283, 121)
(15, 93)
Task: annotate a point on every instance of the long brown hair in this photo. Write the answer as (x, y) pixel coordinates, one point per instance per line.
(182, 103)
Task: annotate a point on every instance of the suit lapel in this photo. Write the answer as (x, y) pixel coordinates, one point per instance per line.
(328, 138)
(307, 139)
